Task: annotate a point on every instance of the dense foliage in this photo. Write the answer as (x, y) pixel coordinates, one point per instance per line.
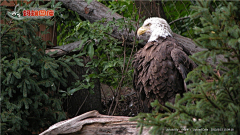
(178, 16)
(213, 106)
(114, 56)
(30, 79)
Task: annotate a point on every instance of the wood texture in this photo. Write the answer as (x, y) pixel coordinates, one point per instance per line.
(94, 123)
(65, 49)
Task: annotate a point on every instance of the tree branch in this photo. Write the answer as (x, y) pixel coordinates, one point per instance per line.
(65, 49)
(182, 18)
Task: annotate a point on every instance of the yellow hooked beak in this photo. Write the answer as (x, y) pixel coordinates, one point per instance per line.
(142, 30)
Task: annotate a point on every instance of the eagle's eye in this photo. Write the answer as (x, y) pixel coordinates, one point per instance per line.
(148, 24)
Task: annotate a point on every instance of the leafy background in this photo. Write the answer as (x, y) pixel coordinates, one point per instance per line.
(30, 79)
(31, 97)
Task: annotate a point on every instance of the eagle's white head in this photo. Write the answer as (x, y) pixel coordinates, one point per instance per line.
(155, 27)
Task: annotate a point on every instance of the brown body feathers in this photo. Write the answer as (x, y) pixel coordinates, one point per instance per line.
(160, 69)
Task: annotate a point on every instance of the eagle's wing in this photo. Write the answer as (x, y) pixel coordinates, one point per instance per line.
(137, 82)
(182, 62)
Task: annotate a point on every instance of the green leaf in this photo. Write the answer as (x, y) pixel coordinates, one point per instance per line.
(78, 61)
(4, 28)
(91, 50)
(17, 75)
(25, 40)
(26, 102)
(15, 65)
(225, 11)
(204, 69)
(24, 90)
(233, 42)
(91, 91)
(9, 89)
(234, 31)
(58, 5)
(31, 71)
(25, 60)
(47, 66)
(9, 75)
(67, 68)
(54, 65)
(49, 23)
(54, 73)
(70, 92)
(25, 30)
(89, 1)
(65, 73)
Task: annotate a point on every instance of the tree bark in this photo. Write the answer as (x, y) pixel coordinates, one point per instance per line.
(94, 123)
(150, 9)
(64, 49)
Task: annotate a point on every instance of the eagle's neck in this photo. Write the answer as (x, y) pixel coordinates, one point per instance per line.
(160, 39)
(159, 33)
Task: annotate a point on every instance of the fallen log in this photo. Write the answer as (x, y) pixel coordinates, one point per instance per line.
(94, 123)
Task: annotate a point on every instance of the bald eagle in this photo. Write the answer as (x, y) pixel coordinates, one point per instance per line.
(161, 66)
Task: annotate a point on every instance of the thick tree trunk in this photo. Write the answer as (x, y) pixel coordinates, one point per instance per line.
(150, 9)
